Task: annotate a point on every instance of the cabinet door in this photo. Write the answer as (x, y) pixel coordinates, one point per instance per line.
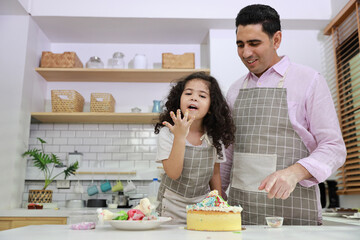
(15, 222)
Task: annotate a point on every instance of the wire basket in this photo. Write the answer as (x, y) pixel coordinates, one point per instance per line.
(40, 196)
(60, 60)
(102, 102)
(66, 101)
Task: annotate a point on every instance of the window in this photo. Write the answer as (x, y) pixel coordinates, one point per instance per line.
(343, 42)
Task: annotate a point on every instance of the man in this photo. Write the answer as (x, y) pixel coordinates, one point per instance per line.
(288, 137)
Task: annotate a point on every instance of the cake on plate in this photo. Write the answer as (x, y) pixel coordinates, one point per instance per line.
(213, 214)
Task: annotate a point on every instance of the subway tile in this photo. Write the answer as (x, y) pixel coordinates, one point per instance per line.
(51, 149)
(142, 134)
(82, 134)
(142, 164)
(67, 149)
(62, 156)
(97, 134)
(134, 141)
(37, 133)
(85, 163)
(104, 156)
(127, 149)
(94, 164)
(90, 156)
(134, 156)
(106, 126)
(120, 141)
(127, 134)
(76, 126)
(61, 126)
(119, 156)
(135, 126)
(127, 164)
(148, 127)
(59, 197)
(149, 141)
(33, 141)
(142, 148)
(83, 149)
(105, 141)
(67, 134)
(112, 164)
(75, 141)
(91, 126)
(90, 141)
(149, 156)
(153, 149)
(112, 149)
(112, 134)
(121, 127)
(34, 126)
(60, 141)
(46, 126)
(97, 149)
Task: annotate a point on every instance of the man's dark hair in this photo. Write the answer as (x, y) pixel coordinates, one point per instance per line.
(263, 14)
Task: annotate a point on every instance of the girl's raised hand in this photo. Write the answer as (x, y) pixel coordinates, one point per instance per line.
(181, 125)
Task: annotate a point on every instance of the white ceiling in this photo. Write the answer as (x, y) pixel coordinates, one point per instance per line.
(136, 30)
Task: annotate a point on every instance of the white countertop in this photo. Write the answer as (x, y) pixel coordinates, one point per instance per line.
(174, 232)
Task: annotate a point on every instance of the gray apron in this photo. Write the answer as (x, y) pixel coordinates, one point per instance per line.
(191, 187)
(266, 142)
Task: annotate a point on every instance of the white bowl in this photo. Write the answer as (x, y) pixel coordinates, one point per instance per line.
(274, 222)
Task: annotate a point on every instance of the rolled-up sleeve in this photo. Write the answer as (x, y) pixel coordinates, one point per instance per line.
(330, 152)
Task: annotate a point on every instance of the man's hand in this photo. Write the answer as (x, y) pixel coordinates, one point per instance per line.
(282, 183)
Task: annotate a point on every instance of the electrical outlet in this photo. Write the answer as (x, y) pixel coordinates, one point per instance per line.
(63, 183)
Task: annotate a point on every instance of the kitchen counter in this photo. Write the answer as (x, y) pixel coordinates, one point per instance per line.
(73, 215)
(165, 232)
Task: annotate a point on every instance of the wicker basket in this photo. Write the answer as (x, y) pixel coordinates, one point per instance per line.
(102, 102)
(40, 196)
(66, 101)
(187, 60)
(60, 60)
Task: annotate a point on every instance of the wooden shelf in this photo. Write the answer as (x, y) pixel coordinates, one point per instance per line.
(113, 75)
(93, 117)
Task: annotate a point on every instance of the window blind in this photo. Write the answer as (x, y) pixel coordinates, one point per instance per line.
(343, 42)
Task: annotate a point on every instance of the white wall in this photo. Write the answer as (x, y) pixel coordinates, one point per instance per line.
(13, 122)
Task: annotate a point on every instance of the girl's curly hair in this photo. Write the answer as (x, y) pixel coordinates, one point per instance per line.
(218, 123)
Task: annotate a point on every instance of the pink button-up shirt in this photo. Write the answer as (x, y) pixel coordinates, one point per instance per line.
(311, 112)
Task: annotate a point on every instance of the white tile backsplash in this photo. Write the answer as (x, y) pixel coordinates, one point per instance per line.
(104, 146)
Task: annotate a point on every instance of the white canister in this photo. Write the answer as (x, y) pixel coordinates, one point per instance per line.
(75, 156)
(140, 61)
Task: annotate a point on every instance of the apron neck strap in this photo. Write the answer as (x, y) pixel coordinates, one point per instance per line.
(279, 85)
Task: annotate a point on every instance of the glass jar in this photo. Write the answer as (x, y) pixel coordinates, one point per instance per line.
(94, 62)
(117, 61)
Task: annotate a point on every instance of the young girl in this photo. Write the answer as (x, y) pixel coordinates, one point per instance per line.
(198, 123)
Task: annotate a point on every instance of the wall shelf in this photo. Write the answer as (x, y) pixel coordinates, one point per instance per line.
(94, 117)
(114, 75)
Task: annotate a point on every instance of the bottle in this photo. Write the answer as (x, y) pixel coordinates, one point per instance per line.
(153, 190)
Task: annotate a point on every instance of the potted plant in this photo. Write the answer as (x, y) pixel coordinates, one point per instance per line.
(46, 163)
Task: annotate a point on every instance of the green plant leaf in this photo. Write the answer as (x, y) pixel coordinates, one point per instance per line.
(71, 169)
(42, 160)
(41, 140)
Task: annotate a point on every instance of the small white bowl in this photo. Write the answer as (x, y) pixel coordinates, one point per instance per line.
(112, 205)
(274, 222)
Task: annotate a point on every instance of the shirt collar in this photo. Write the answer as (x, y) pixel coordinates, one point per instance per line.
(280, 68)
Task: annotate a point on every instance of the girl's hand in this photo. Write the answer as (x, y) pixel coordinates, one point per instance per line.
(181, 126)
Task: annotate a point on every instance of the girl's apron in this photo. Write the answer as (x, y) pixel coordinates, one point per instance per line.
(266, 142)
(191, 187)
